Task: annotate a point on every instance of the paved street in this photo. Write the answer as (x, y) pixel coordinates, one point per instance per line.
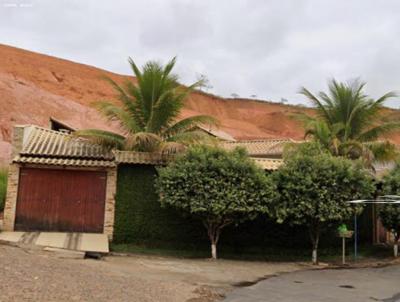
(381, 284)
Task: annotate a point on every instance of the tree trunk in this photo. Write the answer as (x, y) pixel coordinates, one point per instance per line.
(214, 250)
(214, 227)
(213, 234)
(396, 244)
(315, 256)
(314, 236)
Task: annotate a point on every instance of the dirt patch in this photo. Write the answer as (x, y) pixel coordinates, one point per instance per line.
(36, 275)
(220, 273)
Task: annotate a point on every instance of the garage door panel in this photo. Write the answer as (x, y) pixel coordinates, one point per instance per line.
(61, 200)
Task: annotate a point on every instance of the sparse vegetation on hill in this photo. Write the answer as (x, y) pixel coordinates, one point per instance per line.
(31, 78)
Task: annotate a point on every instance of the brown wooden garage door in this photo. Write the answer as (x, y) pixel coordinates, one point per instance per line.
(60, 200)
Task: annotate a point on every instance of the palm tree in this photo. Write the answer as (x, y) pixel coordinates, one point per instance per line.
(350, 123)
(148, 113)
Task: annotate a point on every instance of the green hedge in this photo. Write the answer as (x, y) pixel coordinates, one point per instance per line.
(140, 219)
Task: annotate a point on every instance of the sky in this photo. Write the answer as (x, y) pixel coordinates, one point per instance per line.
(267, 49)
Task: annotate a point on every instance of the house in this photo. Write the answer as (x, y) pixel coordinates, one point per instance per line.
(267, 153)
(58, 125)
(215, 132)
(58, 182)
(61, 183)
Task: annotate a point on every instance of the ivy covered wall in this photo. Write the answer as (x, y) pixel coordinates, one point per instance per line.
(140, 219)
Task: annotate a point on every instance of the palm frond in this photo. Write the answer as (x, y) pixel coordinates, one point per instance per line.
(352, 149)
(164, 112)
(149, 110)
(383, 152)
(137, 106)
(189, 124)
(143, 142)
(317, 103)
(379, 131)
(109, 140)
(115, 113)
(386, 96)
(192, 138)
(169, 66)
(128, 100)
(303, 118)
(352, 119)
(171, 148)
(135, 69)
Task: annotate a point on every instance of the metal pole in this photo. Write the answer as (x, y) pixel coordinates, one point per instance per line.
(343, 250)
(355, 236)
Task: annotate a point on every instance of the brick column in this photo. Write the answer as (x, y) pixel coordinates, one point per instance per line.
(17, 140)
(13, 178)
(110, 203)
(11, 199)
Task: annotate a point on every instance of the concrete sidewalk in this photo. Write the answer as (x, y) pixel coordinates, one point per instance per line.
(83, 242)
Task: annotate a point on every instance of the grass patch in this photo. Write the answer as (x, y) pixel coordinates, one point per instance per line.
(373, 251)
(272, 254)
(157, 251)
(3, 187)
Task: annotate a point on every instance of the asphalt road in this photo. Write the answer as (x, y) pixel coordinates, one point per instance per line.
(350, 285)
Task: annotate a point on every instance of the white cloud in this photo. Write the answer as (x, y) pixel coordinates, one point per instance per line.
(267, 48)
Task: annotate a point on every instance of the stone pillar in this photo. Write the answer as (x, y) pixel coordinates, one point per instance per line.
(11, 199)
(110, 203)
(13, 178)
(17, 140)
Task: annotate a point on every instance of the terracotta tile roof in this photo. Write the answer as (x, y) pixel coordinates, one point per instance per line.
(269, 164)
(45, 142)
(217, 133)
(260, 148)
(130, 157)
(54, 161)
(49, 147)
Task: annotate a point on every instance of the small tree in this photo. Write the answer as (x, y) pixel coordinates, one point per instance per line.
(390, 213)
(216, 186)
(314, 188)
(204, 82)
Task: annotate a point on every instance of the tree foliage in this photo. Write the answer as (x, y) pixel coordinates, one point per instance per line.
(349, 122)
(148, 112)
(390, 213)
(216, 186)
(313, 188)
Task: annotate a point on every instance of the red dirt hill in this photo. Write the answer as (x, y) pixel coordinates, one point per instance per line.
(35, 87)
